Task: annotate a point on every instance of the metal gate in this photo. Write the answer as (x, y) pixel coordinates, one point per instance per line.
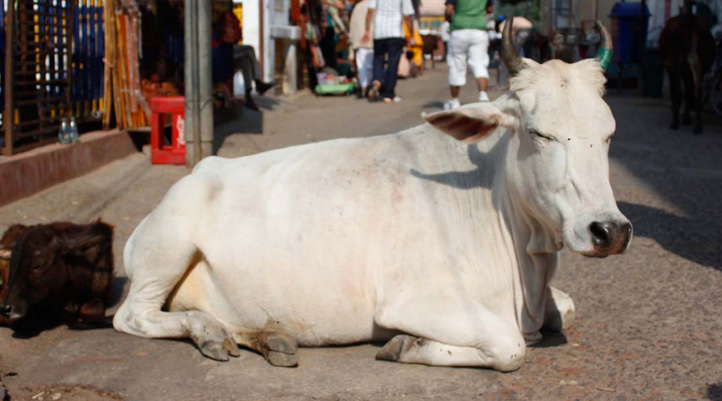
(52, 68)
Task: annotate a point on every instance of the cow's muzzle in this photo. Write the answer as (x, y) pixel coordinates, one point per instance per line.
(609, 237)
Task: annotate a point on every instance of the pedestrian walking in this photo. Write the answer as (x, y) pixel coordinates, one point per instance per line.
(468, 40)
(363, 51)
(386, 17)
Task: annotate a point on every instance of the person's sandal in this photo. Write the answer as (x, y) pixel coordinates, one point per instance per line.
(373, 92)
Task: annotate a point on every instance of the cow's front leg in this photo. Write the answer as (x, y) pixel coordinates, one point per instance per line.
(559, 311)
(446, 332)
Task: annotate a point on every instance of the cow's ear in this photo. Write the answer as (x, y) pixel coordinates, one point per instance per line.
(471, 123)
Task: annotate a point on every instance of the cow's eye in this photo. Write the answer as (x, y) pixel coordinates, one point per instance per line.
(539, 135)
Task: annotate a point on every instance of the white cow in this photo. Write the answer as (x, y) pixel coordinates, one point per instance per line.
(443, 245)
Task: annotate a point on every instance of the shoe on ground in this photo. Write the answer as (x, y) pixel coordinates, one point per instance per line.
(263, 87)
(483, 97)
(373, 92)
(452, 104)
(395, 99)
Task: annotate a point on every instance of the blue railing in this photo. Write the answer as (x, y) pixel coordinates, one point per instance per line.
(87, 68)
(2, 61)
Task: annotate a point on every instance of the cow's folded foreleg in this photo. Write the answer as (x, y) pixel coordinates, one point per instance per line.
(444, 332)
(559, 311)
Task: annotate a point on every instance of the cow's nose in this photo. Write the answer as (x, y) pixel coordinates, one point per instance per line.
(6, 310)
(610, 237)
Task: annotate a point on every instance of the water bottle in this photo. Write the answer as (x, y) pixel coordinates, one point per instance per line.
(72, 131)
(63, 132)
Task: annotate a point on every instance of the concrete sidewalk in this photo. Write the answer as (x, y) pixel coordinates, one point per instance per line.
(648, 322)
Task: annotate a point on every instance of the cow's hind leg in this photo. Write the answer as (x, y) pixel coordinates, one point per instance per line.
(278, 348)
(157, 256)
(443, 332)
(141, 315)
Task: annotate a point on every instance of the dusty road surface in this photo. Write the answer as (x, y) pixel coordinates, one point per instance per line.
(649, 323)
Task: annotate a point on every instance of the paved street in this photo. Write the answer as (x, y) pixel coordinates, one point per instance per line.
(649, 322)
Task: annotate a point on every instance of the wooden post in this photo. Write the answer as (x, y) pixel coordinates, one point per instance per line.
(9, 113)
(108, 24)
(261, 29)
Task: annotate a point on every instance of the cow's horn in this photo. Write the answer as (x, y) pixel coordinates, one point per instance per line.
(604, 54)
(508, 51)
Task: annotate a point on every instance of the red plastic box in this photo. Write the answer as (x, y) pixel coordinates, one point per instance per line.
(160, 153)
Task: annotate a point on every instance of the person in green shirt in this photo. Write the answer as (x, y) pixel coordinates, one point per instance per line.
(469, 40)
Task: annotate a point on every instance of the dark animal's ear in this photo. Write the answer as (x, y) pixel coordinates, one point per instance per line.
(471, 123)
(11, 236)
(95, 234)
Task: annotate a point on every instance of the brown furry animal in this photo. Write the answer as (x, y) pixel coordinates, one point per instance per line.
(61, 268)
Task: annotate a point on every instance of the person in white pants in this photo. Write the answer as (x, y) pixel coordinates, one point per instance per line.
(468, 41)
(362, 51)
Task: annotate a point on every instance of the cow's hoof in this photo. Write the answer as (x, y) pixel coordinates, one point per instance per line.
(674, 125)
(686, 120)
(697, 130)
(281, 342)
(220, 350)
(393, 349)
(281, 349)
(282, 359)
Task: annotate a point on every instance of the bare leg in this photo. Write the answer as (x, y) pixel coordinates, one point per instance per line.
(482, 83)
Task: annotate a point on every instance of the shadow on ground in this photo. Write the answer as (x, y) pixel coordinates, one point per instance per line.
(238, 119)
(685, 169)
(551, 339)
(434, 104)
(679, 235)
(714, 392)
